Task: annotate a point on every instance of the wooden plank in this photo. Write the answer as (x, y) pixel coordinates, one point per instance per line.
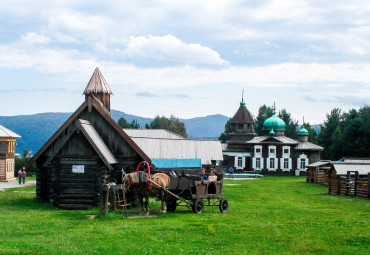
(77, 185)
(77, 191)
(77, 201)
(74, 206)
(77, 196)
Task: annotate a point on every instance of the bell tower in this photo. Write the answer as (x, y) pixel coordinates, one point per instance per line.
(99, 88)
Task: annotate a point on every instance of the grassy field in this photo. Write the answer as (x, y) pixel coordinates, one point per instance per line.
(272, 215)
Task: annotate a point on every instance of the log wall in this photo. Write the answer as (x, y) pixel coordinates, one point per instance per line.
(362, 187)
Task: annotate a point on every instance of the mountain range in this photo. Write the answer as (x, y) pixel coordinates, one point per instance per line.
(36, 129)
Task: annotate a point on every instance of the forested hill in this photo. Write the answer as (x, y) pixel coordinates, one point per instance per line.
(36, 129)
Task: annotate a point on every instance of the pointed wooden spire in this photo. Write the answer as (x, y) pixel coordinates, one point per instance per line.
(97, 84)
(99, 88)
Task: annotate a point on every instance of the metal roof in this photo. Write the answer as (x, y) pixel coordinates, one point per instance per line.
(97, 84)
(177, 163)
(4, 132)
(280, 139)
(356, 160)
(308, 146)
(342, 168)
(319, 163)
(224, 146)
(97, 142)
(157, 148)
(152, 133)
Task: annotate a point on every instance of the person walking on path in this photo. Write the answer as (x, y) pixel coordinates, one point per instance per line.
(24, 174)
(20, 176)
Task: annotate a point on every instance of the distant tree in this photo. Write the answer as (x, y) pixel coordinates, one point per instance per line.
(335, 149)
(20, 162)
(325, 137)
(172, 124)
(264, 112)
(290, 124)
(134, 124)
(355, 136)
(123, 123)
(225, 136)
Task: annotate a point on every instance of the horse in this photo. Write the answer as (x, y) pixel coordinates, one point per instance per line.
(146, 189)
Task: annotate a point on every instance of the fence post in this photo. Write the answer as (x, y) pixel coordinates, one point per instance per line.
(368, 185)
(356, 178)
(338, 185)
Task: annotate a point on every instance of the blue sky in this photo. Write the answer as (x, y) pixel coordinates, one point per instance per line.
(187, 58)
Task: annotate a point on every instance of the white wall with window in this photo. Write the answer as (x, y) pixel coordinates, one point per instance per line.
(302, 162)
(239, 162)
(285, 161)
(257, 161)
(272, 161)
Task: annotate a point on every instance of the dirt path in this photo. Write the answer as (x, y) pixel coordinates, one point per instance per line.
(14, 184)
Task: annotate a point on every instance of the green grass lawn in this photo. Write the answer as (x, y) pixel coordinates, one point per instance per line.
(272, 215)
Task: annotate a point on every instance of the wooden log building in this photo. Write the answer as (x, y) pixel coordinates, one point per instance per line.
(318, 172)
(7, 150)
(88, 151)
(348, 178)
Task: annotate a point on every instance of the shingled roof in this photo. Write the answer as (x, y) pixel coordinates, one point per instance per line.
(97, 84)
(242, 115)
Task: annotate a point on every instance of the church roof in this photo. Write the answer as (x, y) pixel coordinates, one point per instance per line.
(303, 131)
(92, 102)
(243, 115)
(274, 122)
(4, 132)
(97, 84)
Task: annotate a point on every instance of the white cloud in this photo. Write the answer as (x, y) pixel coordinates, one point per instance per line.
(170, 48)
(34, 38)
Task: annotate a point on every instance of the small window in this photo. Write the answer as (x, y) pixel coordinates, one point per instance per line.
(258, 150)
(258, 163)
(303, 163)
(272, 151)
(286, 163)
(240, 161)
(286, 151)
(272, 163)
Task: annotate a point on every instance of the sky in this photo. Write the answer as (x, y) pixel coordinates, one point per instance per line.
(186, 58)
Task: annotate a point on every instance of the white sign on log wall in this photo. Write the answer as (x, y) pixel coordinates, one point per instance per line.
(78, 169)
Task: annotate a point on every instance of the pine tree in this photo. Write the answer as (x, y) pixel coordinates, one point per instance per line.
(290, 124)
(225, 136)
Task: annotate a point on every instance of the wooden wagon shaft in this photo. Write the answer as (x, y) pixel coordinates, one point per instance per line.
(169, 192)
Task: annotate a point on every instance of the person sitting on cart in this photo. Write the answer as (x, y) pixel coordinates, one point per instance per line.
(212, 177)
(203, 174)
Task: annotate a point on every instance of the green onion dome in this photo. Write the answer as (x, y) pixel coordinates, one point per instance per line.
(272, 132)
(274, 123)
(242, 103)
(303, 131)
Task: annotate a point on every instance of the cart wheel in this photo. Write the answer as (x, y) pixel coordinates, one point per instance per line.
(224, 205)
(198, 206)
(171, 205)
